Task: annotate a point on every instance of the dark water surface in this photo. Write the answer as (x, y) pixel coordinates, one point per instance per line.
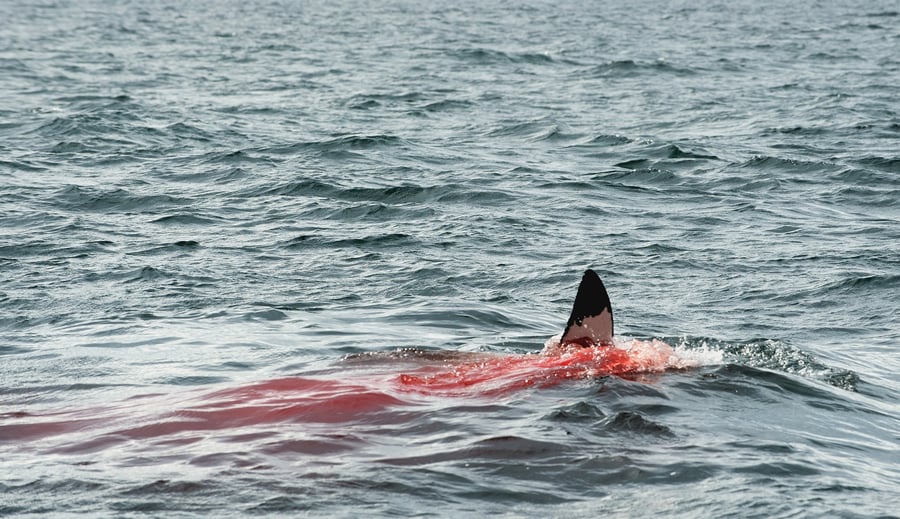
(197, 196)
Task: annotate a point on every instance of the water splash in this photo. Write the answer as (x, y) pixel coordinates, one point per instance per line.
(771, 354)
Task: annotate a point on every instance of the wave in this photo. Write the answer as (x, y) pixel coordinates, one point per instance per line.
(371, 211)
(374, 241)
(633, 177)
(386, 198)
(536, 131)
(665, 163)
(884, 14)
(95, 199)
(92, 116)
(868, 177)
(24, 165)
(49, 249)
(352, 142)
(885, 164)
(867, 197)
(775, 355)
(788, 165)
(602, 141)
(316, 188)
(237, 157)
(632, 68)
(446, 105)
(486, 56)
(859, 285)
(186, 219)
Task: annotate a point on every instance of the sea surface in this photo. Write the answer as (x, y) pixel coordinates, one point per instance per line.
(200, 198)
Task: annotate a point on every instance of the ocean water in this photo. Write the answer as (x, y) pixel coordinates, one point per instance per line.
(287, 204)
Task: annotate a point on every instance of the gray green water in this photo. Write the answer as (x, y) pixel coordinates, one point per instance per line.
(196, 196)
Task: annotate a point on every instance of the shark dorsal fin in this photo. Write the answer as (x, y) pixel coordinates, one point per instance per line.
(591, 322)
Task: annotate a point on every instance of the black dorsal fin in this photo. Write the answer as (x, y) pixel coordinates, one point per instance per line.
(591, 322)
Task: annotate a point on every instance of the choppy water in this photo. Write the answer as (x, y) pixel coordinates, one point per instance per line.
(201, 196)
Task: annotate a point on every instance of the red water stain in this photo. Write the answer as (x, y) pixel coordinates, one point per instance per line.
(508, 373)
(363, 395)
(291, 399)
(41, 426)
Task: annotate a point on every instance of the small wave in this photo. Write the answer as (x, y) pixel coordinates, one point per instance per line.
(338, 143)
(93, 116)
(364, 104)
(667, 158)
(12, 323)
(193, 380)
(304, 187)
(358, 142)
(512, 447)
(392, 194)
(92, 199)
(365, 101)
(93, 98)
(767, 162)
(775, 355)
(868, 177)
(486, 56)
(387, 198)
(556, 133)
(534, 130)
(266, 315)
(636, 174)
(576, 186)
(371, 211)
(447, 105)
(49, 248)
(376, 241)
(674, 151)
(21, 165)
(795, 130)
(886, 164)
(65, 126)
(630, 422)
(70, 147)
(178, 246)
(467, 196)
(864, 196)
(631, 68)
(185, 219)
(655, 249)
(578, 412)
(147, 274)
(12, 65)
(184, 130)
(237, 157)
(458, 319)
(166, 487)
(860, 284)
(601, 141)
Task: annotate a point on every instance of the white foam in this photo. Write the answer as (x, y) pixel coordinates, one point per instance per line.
(696, 357)
(654, 355)
(658, 355)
